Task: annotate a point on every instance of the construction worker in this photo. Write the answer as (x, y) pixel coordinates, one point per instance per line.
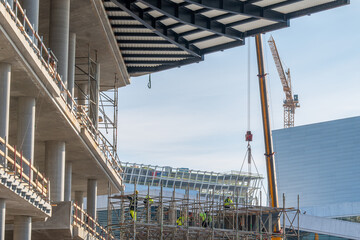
(208, 219)
(180, 221)
(148, 201)
(227, 203)
(133, 205)
(203, 219)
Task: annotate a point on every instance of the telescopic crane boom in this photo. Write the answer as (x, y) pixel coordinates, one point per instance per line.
(269, 154)
(291, 102)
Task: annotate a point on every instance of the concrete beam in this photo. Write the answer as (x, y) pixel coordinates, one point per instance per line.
(68, 177)
(2, 218)
(59, 34)
(91, 197)
(5, 80)
(55, 169)
(26, 129)
(22, 228)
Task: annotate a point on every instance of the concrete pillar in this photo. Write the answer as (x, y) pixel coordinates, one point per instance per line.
(5, 77)
(91, 197)
(32, 13)
(71, 67)
(55, 168)
(59, 34)
(22, 228)
(79, 198)
(2, 218)
(82, 93)
(11, 3)
(68, 177)
(26, 129)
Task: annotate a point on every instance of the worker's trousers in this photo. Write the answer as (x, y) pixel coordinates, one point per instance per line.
(133, 215)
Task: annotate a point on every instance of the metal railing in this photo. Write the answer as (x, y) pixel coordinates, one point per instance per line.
(15, 163)
(49, 61)
(83, 220)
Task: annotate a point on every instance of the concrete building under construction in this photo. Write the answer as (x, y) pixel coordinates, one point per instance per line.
(60, 60)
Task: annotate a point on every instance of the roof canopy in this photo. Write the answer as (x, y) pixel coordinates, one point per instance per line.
(154, 35)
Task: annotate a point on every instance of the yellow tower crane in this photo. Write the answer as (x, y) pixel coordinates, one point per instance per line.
(291, 102)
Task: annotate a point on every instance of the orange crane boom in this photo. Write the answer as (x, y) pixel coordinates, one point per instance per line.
(291, 102)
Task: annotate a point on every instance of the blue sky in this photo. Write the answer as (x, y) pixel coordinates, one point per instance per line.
(196, 116)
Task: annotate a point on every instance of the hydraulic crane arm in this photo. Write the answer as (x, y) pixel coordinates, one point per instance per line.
(269, 154)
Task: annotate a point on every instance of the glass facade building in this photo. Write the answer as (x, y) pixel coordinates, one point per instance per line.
(320, 162)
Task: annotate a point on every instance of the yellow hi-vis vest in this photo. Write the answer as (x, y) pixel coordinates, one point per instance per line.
(227, 202)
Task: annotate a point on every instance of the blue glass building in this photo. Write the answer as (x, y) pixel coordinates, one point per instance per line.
(321, 163)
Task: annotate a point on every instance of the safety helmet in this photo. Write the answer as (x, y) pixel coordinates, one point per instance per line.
(136, 192)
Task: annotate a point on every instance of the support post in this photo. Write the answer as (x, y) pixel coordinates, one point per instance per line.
(91, 197)
(32, 13)
(26, 130)
(22, 228)
(79, 200)
(2, 218)
(59, 34)
(55, 168)
(5, 80)
(68, 181)
(71, 67)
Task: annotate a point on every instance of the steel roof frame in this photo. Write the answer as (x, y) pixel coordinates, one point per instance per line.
(183, 15)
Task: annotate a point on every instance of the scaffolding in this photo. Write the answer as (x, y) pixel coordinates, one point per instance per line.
(100, 106)
(171, 216)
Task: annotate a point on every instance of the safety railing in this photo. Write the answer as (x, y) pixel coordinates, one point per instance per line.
(83, 220)
(15, 163)
(49, 61)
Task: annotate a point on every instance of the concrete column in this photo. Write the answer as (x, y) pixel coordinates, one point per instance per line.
(2, 218)
(71, 67)
(79, 198)
(26, 129)
(32, 13)
(82, 93)
(91, 197)
(68, 177)
(59, 34)
(11, 3)
(22, 228)
(5, 77)
(55, 168)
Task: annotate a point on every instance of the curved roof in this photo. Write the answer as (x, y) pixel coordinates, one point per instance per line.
(154, 35)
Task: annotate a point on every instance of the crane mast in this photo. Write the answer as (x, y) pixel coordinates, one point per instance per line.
(291, 101)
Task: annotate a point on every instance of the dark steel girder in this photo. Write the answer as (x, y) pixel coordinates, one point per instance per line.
(149, 56)
(188, 17)
(148, 22)
(135, 34)
(239, 7)
(145, 70)
(157, 49)
(318, 8)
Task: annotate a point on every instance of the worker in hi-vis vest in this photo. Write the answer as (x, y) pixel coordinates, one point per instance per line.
(228, 202)
(148, 201)
(181, 220)
(133, 205)
(203, 219)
